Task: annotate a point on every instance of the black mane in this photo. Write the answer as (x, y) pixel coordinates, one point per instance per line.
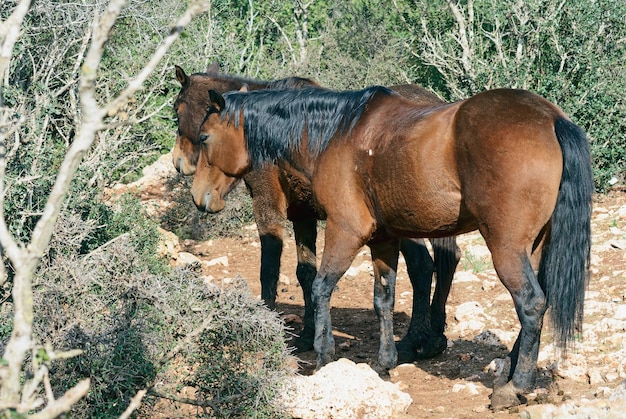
(286, 83)
(276, 120)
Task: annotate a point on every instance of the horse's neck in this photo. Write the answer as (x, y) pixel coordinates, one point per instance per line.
(289, 158)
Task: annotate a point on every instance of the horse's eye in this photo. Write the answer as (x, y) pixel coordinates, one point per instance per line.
(203, 137)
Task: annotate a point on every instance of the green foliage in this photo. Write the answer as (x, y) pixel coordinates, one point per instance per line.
(475, 263)
(127, 217)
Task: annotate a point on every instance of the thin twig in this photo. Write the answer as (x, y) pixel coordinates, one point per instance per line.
(135, 402)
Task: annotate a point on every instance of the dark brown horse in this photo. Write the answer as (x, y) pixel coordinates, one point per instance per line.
(278, 194)
(506, 162)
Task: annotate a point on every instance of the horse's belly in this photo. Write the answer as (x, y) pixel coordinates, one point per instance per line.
(426, 215)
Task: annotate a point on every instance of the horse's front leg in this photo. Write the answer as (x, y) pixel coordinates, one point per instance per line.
(269, 209)
(305, 232)
(340, 248)
(385, 259)
(446, 255)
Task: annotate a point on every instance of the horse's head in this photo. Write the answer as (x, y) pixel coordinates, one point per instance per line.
(223, 157)
(190, 107)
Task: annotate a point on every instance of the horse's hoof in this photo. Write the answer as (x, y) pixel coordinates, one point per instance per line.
(410, 352)
(504, 397)
(433, 348)
(382, 371)
(323, 359)
(406, 355)
(388, 361)
(303, 343)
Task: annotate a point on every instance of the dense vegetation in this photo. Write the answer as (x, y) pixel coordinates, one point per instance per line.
(573, 53)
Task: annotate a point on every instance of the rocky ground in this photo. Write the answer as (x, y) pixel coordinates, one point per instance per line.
(482, 324)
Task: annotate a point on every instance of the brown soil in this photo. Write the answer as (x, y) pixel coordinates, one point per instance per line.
(431, 383)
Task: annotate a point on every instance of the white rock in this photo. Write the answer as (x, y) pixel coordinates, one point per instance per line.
(595, 377)
(352, 272)
(344, 390)
(222, 260)
(620, 312)
(458, 387)
(499, 366)
(465, 276)
(619, 393)
(186, 258)
(617, 244)
(471, 387)
(363, 267)
(469, 311)
(284, 279)
(169, 245)
(480, 251)
(574, 367)
(469, 327)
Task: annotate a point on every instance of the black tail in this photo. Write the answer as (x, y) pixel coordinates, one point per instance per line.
(564, 269)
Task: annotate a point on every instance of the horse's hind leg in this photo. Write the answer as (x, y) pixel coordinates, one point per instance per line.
(425, 337)
(415, 344)
(447, 255)
(385, 259)
(305, 231)
(517, 275)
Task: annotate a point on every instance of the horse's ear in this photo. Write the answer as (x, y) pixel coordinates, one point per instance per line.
(217, 100)
(244, 88)
(182, 78)
(213, 68)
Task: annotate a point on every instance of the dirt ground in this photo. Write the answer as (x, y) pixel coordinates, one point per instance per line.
(456, 383)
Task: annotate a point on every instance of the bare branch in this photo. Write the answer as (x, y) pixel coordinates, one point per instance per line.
(65, 403)
(136, 84)
(285, 37)
(465, 35)
(135, 402)
(9, 34)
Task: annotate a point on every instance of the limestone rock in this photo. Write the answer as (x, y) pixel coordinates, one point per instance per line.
(344, 390)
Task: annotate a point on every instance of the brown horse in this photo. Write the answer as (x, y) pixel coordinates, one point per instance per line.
(278, 194)
(506, 162)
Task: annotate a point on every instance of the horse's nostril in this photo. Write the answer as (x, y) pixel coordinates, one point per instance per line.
(178, 163)
(207, 202)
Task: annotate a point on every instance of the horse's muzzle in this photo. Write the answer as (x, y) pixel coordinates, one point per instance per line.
(206, 204)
